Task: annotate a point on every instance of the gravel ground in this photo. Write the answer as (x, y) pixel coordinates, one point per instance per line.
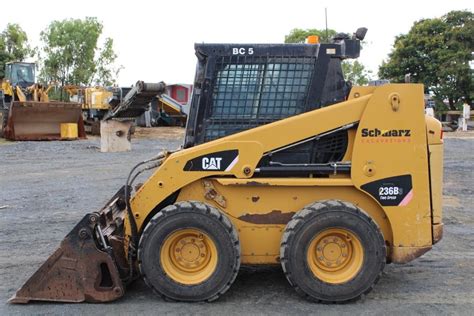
(46, 187)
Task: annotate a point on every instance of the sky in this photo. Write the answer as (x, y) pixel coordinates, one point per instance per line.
(155, 40)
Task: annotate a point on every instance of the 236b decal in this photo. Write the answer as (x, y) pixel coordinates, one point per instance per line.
(393, 191)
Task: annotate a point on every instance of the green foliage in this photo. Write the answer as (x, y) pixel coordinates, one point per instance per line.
(299, 35)
(354, 71)
(436, 52)
(70, 54)
(13, 46)
(106, 73)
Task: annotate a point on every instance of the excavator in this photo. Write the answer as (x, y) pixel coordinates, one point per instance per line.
(27, 112)
(283, 163)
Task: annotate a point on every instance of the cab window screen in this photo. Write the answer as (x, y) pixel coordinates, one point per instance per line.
(249, 92)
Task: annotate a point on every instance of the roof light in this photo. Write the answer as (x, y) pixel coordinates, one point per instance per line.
(312, 39)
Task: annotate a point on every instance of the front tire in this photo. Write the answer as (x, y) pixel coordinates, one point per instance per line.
(189, 251)
(331, 251)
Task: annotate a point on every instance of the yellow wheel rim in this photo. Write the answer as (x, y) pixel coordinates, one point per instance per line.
(189, 256)
(335, 255)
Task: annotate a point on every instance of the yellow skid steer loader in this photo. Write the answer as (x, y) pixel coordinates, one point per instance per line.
(283, 163)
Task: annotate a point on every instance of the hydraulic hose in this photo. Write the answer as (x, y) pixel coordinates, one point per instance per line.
(133, 224)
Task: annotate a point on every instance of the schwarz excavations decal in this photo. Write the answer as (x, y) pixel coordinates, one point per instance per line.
(376, 135)
(393, 191)
(218, 161)
(385, 132)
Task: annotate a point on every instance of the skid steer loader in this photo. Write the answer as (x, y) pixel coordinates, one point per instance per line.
(283, 164)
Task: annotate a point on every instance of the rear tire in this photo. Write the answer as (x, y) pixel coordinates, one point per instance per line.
(331, 251)
(189, 251)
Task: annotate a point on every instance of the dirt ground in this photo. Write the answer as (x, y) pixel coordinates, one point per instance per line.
(46, 187)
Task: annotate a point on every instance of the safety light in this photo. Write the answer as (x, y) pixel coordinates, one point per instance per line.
(312, 39)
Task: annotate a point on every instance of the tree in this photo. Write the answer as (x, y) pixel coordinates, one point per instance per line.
(106, 74)
(13, 46)
(299, 35)
(70, 53)
(354, 71)
(436, 52)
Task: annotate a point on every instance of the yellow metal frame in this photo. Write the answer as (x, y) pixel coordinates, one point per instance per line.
(95, 98)
(259, 207)
(6, 87)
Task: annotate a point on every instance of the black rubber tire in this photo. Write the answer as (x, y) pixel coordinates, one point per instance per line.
(189, 215)
(316, 218)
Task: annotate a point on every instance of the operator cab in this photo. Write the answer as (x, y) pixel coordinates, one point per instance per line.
(20, 74)
(242, 86)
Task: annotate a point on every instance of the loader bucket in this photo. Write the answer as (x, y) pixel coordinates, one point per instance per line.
(87, 266)
(30, 120)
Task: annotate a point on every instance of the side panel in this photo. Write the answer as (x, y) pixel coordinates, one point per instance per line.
(436, 169)
(261, 209)
(435, 146)
(391, 143)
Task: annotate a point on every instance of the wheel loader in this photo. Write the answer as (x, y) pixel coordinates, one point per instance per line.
(283, 163)
(27, 112)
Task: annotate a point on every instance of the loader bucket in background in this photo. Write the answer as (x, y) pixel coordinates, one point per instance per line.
(88, 265)
(30, 120)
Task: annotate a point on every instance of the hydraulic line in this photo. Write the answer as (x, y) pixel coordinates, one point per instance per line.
(157, 160)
